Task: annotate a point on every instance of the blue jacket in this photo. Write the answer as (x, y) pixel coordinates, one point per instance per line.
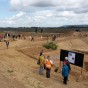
(65, 71)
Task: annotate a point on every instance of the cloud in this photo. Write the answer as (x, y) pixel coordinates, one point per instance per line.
(43, 3)
(48, 12)
(17, 17)
(77, 6)
(14, 19)
(20, 14)
(66, 14)
(28, 3)
(8, 21)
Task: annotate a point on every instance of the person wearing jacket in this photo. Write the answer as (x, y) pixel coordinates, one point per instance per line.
(68, 63)
(48, 66)
(42, 62)
(65, 72)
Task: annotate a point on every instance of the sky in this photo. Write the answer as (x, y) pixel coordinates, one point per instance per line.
(43, 13)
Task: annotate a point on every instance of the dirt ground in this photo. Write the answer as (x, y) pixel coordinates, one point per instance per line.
(19, 69)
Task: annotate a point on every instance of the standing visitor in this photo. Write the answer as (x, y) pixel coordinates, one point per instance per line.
(67, 63)
(7, 44)
(65, 73)
(42, 52)
(53, 37)
(32, 39)
(48, 66)
(41, 63)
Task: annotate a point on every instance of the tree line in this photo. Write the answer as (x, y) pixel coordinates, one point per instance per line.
(46, 29)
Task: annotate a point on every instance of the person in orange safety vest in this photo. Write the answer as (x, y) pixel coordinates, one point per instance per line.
(48, 66)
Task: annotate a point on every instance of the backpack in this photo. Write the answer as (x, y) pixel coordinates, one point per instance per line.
(38, 62)
(56, 69)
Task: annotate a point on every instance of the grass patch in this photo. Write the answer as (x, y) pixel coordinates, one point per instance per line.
(50, 45)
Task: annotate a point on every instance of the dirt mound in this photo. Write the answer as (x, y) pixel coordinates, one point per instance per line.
(33, 53)
(20, 68)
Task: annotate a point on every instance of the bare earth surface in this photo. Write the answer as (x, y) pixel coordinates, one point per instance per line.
(18, 68)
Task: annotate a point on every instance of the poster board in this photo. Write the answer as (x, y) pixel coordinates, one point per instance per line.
(74, 58)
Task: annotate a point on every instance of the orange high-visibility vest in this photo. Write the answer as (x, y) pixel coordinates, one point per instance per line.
(48, 64)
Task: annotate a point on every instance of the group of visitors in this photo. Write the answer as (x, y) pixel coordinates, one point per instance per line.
(46, 63)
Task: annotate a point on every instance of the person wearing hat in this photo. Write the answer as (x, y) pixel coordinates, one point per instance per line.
(68, 63)
(65, 72)
(41, 63)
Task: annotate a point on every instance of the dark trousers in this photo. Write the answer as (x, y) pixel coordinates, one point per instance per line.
(65, 80)
(48, 72)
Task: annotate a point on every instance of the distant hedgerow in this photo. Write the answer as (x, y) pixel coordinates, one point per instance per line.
(50, 45)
